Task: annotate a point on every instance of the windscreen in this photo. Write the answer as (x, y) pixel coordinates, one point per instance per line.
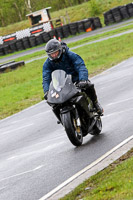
(59, 78)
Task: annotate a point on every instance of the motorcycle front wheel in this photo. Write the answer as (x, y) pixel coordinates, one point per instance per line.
(73, 131)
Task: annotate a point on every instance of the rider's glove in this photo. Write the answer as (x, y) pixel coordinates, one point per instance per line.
(46, 95)
(83, 84)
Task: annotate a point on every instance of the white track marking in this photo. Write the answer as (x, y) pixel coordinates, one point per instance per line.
(2, 188)
(36, 115)
(85, 169)
(22, 127)
(42, 113)
(117, 113)
(121, 101)
(50, 147)
(22, 173)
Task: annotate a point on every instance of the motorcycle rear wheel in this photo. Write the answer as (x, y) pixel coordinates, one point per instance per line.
(74, 133)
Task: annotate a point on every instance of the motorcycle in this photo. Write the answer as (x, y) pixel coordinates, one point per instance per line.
(73, 108)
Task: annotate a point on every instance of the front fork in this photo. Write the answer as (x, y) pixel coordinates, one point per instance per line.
(76, 121)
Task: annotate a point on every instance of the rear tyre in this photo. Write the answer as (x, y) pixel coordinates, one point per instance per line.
(73, 131)
(97, 127)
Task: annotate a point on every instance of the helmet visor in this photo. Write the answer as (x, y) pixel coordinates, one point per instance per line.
(54, 55)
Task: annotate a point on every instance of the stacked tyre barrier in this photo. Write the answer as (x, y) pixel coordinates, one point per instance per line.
(11, 66)
(61, 32)
(118, 14)
(66, 31)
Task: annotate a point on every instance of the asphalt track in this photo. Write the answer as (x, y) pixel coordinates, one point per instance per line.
(35, 153)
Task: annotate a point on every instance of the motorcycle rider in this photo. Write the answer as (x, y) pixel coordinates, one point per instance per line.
(60, 57)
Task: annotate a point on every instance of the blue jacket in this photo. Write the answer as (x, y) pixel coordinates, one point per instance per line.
(70, 62)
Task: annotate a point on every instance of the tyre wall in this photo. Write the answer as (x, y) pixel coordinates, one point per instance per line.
(12, 45)
(118, 14)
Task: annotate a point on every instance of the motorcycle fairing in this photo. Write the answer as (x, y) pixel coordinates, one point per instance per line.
(63, 94)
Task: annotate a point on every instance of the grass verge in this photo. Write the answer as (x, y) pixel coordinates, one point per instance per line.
(102, 35)
(23, 87)
(114, 182)
(20, 88)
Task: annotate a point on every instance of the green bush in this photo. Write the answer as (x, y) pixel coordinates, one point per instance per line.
(95, 8)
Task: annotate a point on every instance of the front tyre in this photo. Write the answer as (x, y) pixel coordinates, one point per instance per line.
(73, 131)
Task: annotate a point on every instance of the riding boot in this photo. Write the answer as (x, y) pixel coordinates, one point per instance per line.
(98, 107)
(91, 92)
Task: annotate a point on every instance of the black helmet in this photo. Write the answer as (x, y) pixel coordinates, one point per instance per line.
(52, 46)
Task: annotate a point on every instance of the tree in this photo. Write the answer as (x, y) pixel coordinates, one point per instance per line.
(28, 5)
(12, 11)
(18, 11)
